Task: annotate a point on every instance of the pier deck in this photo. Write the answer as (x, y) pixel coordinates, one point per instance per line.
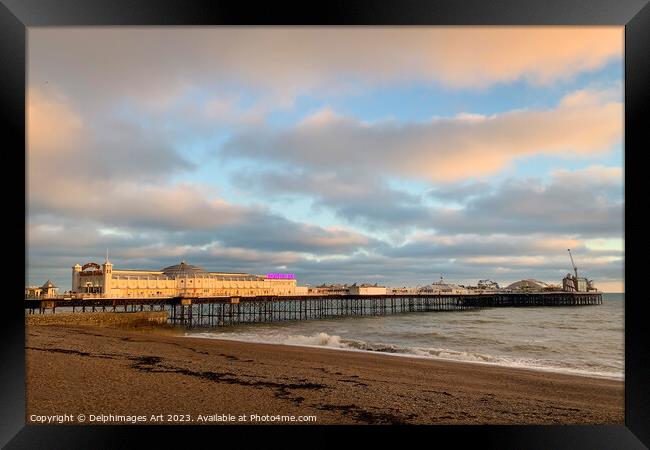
(222, 311)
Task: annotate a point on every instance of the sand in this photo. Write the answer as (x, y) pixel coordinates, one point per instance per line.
(171, 379)
(100, 319)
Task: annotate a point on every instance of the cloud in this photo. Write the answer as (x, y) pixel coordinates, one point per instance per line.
(258, 245)
(182, 214)
(587, 201)
(355, 197)
(460, 191)
(318, 255)
(274, 233)
(584, 202)
(360, 267)
(319, 118)
(440, 150)
(155, 65)
(131, 204)
(590, 176)
(94, 184)
(110, 112)
(52, 125)
(488, 245)
(61, 143)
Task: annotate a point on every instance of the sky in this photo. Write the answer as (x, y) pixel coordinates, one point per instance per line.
(390, 155)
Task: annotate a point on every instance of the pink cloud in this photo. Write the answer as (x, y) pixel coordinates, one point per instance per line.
(443, 149)
(157, 65)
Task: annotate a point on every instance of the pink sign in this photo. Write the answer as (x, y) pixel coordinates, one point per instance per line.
(281, 276)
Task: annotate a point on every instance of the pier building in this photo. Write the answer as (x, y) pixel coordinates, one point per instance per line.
(574, 283)
(48, 290)
(330, 289)
(528, 285)
(179, 280)
(441, 287)
(571, 283)
(367, 289)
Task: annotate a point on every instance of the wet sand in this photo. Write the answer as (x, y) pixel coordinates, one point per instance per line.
(93, 370)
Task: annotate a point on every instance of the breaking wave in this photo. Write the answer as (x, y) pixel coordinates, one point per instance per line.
(323, 339)
(315, 340)
(586, 341)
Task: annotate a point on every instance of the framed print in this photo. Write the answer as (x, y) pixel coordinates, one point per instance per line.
(299, 220)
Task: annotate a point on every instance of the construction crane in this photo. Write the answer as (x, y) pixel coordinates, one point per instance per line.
(575, 269)
(574, 283)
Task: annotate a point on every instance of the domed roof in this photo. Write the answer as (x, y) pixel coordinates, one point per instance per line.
(440, 286)
(182, 269)
(527, 285)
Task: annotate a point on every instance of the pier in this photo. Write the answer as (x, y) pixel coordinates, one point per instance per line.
(223, 311)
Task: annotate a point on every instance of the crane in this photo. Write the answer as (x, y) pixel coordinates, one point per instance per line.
(575, 269)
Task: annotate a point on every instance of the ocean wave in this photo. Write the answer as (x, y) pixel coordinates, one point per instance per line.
(317, 339)
(586, 369)
(400, 334)
(374, 347)
(561, 327)
(530, 347)
(481, 321)
(322, 339)
(480, 340)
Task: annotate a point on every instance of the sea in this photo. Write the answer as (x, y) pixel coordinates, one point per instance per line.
(584, 340)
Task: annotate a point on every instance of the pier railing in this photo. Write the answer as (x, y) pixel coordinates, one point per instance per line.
(222, 311)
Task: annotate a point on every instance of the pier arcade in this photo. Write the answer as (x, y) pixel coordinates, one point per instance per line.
(94, 280)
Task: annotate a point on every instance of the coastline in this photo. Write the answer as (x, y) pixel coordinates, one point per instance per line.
(103, 370)
(397, 354)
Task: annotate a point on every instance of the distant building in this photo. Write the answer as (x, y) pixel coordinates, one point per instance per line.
(330, 289)
(488, 285)
(440, 287)
(32, 292)
(367, 289)
(570, 283)
(402, 290)
(302, 290)
(182, 279)
(528, 285)
(48, 290)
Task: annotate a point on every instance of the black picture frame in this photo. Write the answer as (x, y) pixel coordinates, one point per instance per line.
(16, 15)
